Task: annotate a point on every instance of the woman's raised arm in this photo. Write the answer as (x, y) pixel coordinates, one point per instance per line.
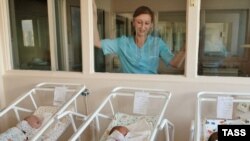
(97, 41)
(179, 58)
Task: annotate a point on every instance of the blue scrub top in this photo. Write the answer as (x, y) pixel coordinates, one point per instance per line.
(144, 60)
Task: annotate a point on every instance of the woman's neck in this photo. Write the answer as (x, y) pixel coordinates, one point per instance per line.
(140, 40)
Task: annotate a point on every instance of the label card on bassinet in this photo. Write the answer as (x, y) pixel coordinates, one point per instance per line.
(225, 107)
(141, 103)
(59, 95)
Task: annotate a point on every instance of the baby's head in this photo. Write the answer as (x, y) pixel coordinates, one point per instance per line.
(29, 124)
(34, 121)
(213, 137)
(122, 129)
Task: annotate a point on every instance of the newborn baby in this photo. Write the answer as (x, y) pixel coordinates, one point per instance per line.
(138, 131)
(118, 133)
(23, 131)
(213, 137)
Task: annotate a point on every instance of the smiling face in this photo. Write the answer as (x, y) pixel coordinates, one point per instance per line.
(142, 24)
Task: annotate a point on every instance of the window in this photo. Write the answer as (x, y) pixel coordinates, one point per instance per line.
(123, 55)
(172, 29)
(29, 31)
(224, 39)
(40, 43)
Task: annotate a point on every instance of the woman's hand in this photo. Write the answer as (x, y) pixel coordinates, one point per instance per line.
(179, 58)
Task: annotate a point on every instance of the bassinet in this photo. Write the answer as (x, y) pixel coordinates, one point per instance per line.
(127, 106)
(45, 99)
(215, 108)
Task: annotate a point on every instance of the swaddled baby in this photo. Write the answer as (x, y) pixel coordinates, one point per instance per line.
(23, 131)
(118, 133)
(139, 131)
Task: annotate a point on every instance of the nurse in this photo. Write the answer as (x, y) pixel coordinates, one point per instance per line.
(139, 53)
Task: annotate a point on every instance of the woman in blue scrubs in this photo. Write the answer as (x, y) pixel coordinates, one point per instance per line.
(141, 52)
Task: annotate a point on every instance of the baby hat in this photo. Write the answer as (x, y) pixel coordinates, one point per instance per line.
(116, 136)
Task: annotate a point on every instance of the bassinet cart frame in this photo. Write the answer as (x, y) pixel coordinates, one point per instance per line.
(211, 96)
(78, 90)
(130, 92)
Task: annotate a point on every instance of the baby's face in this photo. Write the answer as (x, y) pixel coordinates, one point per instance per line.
(34, 121)
(123, 130)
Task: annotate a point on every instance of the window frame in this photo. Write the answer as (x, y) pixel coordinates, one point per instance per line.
(192, 38)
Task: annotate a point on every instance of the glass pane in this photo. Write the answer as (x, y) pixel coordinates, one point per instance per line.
(224, 35)
(30, 36)
(172, 28)
(68, 36)
(99, 56)
(76, 57)
(146, 42)
(68, 29)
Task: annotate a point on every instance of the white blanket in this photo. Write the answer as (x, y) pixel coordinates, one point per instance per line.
(116, 136)
(13, 134)
(57, 128)
(139, 131)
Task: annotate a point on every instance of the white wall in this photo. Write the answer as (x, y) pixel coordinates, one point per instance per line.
(2, 96)
(1, 79)
(1, 68)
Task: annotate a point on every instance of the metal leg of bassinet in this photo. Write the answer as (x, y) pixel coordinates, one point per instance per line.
(171, 127)
(191, 138)
(97, 126)
(168, 129)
